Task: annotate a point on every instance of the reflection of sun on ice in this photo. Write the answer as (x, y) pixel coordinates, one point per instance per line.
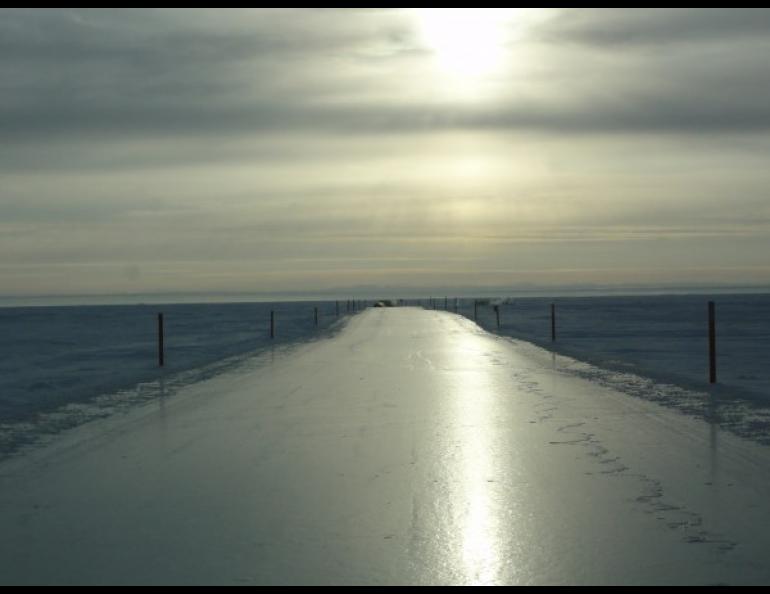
(468, 42)
(479, 558)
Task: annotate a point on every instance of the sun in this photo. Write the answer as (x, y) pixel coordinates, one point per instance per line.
(467, 42)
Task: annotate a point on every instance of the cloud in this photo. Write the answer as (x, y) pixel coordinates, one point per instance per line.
(113, 75)
(240, 140)
(603, 27)
(97, 74)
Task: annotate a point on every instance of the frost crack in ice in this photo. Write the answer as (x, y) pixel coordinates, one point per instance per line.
(675, 518)
(580, 438)
(586, 438)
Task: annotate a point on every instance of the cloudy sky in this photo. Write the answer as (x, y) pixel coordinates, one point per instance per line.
(229, 150)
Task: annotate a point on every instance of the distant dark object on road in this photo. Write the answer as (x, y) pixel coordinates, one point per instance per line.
(386, 303)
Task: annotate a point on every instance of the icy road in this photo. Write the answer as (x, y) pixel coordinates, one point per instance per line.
(411, 448)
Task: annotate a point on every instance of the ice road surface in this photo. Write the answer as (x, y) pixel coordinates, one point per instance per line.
(411, 448)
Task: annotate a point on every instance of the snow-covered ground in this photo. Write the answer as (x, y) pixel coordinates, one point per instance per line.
(60, 366)
(410, 448)
(665, 336)
(656, 348)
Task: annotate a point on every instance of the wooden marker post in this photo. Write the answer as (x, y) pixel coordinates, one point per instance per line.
(316, 317)
(553, 322)
(161, 348)
(712, 342)
(272, 325)
(497, 313)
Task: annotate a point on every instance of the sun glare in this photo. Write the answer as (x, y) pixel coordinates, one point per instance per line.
(467, 42)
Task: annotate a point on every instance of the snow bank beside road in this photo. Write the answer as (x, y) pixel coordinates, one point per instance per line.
(60, 366)
(657, 348)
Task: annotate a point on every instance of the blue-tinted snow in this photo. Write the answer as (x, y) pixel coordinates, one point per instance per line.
(656, 347)
(62, 365)
(55, 361)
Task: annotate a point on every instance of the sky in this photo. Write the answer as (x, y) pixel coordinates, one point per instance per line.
(309, 150)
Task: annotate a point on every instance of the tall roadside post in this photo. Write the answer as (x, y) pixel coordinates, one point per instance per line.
(161, 346)
(712, 342)
(553, 322)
